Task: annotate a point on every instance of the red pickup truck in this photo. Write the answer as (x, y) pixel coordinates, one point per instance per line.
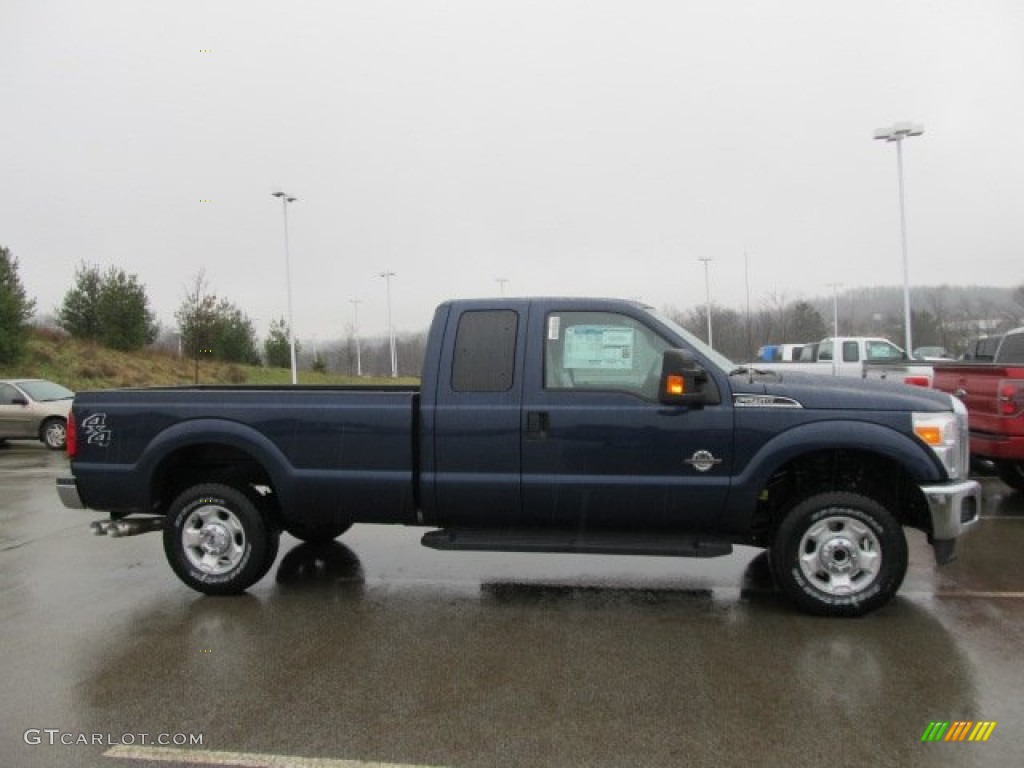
(994, 395)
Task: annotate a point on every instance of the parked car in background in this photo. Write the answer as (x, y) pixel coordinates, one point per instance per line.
(993, 392)
(780, 352)
(842, 356)
(34, 409)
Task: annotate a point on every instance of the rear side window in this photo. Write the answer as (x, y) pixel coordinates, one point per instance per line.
(485, 351)
(8, 394)
(1011, 351)
(851, 354)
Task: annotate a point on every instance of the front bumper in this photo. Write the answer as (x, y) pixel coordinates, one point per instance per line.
(954, 507)
(67, 489)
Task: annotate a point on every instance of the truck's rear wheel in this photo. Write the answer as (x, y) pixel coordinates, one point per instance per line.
(839, 554)
(217, 540)
(1012, 473)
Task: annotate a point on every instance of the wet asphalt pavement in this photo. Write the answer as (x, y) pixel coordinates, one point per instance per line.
(376, 650)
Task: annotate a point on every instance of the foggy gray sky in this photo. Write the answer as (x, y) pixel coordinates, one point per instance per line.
(582, 148)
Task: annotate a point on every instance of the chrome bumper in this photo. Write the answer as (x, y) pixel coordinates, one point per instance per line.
(954, 507)
(67, 489)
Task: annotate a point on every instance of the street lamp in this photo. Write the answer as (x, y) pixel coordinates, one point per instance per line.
(285, 199)
(835, 308)
(501, 281)
(387, 275)
(355, 332)
(897, 133)
(707, 291)
(835, 327)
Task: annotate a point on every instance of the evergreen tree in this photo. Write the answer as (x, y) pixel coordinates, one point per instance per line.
(15, 309)
(111, 308)
(807, 324)
(277, 346)
(79, 312)
(126, 322)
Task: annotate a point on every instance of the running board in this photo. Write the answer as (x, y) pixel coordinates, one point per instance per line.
(571, 542)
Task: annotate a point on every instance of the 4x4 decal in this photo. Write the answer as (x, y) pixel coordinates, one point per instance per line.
(96, 430)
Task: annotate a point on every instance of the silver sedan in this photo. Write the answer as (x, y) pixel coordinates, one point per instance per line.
(34, 409)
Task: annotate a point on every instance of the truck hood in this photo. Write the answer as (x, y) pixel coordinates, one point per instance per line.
(833, 392)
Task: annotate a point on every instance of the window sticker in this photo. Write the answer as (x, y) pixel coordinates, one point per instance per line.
(554, 327)
(600, 347)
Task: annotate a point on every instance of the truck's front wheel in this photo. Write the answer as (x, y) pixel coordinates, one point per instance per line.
(839, 554)
(217, 540)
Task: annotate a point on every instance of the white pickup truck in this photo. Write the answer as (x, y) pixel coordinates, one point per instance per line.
(838, 356)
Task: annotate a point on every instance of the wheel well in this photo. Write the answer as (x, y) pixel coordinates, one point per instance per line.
(869, 474)
(211, 462)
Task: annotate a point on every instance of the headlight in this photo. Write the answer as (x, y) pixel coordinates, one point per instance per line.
(946, 435)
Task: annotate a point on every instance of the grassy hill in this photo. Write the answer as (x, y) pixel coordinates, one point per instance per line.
(79, 365)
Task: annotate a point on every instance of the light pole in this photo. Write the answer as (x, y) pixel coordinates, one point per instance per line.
(897, 133)
(501, 281)
(835, 308)
(835, 327)
(707, 291)
(285, 199)
(355, 332)
(387, 275)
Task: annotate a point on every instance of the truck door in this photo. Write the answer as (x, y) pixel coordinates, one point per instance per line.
(476, 437)
(599, 450)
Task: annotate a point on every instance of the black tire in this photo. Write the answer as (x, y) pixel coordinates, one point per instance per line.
(317, 534)
(217, 540)
(1012, 473)
(839, 554)
(54, 433)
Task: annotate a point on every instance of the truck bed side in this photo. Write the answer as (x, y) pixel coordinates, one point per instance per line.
(138, 447)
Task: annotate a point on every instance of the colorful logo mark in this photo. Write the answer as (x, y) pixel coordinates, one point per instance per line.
(959, 730)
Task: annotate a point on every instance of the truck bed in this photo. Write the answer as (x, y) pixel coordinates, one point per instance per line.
(316, 439)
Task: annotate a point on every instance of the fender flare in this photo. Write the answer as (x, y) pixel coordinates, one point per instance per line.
(851, 434)
(207, 431)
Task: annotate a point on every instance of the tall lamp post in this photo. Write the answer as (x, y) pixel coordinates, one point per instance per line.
(897, 133)
(835, 308)
(502, 282)
(387, 275)
(835, 326)
(707, 292)
(285, 199)
(355, 332)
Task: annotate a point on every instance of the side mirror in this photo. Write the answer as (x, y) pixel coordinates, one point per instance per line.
(19, 401)
(683, 381)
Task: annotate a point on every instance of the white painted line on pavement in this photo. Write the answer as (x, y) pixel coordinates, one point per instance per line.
(239, 759)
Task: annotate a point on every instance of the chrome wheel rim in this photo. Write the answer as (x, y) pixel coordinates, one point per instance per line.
(213, 539)
(55, 434)
(840, 555)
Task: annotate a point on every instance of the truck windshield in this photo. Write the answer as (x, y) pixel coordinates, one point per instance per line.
(723, 362)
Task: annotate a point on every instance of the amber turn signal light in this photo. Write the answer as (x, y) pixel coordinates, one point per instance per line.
(675, 385)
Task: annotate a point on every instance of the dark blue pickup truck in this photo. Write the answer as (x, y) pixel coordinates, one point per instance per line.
(542, 425)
